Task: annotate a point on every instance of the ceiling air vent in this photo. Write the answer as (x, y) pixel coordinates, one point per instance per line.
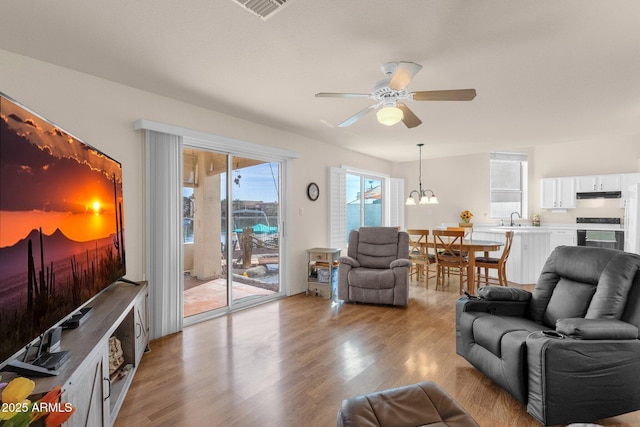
(263, 8)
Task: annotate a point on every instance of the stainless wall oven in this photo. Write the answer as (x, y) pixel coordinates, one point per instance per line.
(607, 234)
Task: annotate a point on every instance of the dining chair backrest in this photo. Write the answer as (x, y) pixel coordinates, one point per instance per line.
(507, 246)
(499, 264)
(449, 254)
(467, 230)
(448, 245)
(418, 242)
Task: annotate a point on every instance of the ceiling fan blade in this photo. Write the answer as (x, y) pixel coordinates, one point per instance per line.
(342, 95)
(444, 95)
(403, 75)
(408, 117)
(351, 120)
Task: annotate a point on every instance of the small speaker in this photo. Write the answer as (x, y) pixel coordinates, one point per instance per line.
(53, 344)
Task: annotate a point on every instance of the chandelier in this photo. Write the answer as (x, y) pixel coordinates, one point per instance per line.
(423, 199)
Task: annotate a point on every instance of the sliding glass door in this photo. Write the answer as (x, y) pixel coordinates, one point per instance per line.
(254, 228)
(231, 220)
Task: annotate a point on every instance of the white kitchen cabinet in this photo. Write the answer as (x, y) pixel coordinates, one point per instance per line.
(609, 182)
(567, 237)
(558, 193)
(628, 179)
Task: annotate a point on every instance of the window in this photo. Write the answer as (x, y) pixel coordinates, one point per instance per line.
(508, 184)
(361, 198)
(187, 214)
(364, 201)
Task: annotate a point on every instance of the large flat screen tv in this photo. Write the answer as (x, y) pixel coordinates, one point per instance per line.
(61, 226)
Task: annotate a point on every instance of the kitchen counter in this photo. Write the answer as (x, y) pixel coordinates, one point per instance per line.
(548, 227)
(516, 230)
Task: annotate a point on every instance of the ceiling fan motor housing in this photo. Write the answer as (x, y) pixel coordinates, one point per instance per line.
(381, 92)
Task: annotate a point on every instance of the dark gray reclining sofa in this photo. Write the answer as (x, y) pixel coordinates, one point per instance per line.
(570, 351)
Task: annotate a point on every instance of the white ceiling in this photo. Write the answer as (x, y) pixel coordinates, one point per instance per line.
(545, 71)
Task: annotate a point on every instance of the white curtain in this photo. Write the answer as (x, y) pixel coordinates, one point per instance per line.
(337, 208)
(164, 232)
(395, 202)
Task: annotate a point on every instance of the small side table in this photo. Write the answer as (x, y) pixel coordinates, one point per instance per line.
(322, 271)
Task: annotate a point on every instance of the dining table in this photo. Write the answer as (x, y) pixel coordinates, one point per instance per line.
(471, 246)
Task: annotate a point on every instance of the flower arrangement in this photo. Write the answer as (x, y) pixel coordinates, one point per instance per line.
(465, 216)
(18, 411)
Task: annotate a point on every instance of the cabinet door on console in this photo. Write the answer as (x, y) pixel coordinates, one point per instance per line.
(141, 324)
(88, 389)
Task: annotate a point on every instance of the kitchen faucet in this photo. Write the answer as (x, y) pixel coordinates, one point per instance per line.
(519, 216)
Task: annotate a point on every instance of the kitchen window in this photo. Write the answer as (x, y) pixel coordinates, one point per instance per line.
(508, 184)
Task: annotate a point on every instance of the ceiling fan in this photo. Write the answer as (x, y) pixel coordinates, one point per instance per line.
(391, 91)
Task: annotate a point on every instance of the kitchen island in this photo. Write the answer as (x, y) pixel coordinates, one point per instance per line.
(529, 250)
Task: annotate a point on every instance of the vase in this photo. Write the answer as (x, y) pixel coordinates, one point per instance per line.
(465, 224)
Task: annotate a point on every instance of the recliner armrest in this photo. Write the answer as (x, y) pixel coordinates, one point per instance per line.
(597, 329)
(352, 262)
(500, 308)
(400, 262)
(586, 372)
(501, 293)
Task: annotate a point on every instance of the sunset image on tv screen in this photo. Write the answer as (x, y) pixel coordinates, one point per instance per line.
(61, 224)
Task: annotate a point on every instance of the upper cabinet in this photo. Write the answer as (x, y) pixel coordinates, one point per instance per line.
(628, 179)
(558, 193)
(610, 182)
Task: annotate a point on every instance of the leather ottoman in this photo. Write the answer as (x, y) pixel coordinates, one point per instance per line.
(421, 404)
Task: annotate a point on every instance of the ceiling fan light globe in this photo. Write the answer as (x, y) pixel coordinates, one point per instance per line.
(410, 201)
(433, 200)
(425, 200)
(389, 116)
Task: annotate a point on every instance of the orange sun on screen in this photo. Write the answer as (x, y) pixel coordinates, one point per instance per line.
(96, 207)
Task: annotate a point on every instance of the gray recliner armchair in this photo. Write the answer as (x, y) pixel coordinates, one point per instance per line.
(570, 350)
(376, 268)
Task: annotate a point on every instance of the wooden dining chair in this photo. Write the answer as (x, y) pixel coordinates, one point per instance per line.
(419, 255)
(500, 264)
(467, 230)
(449, 254)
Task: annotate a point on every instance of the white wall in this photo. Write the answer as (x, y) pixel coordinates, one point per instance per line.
(463, 182)
(619, 154)
(102, 113)
(460, 183)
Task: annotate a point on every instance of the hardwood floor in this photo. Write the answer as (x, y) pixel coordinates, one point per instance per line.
(291, 362)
